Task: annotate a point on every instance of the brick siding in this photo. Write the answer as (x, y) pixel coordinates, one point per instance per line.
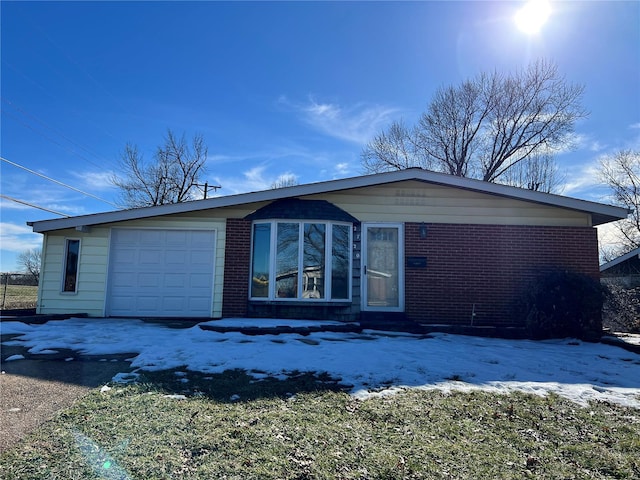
(237, 258)
(485, 268)
(470, 268)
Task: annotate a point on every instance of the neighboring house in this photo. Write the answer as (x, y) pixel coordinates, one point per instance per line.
(624, 270)
(412, 244)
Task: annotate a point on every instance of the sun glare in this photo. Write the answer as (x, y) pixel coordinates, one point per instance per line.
(532, 16)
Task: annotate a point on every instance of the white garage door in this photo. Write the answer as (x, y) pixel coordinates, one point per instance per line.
(161, 273)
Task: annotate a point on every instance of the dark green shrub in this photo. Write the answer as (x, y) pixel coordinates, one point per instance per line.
(565, 304)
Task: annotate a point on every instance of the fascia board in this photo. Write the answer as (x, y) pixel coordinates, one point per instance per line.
(620, 259)
(602, 213)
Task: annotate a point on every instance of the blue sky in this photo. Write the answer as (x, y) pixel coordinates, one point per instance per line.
(276, 89)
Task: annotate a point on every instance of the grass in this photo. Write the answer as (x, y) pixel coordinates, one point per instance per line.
(18, 296)
(308, 428)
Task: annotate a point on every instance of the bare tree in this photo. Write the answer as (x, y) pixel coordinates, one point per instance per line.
(451, 129)
(172, 177)
(487, 128)
(30, 261)
(286, 180)
(621, 173)
(537, 172)
(394, 149)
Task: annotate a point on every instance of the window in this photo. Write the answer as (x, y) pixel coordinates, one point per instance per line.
(71, 256)
(294, 260)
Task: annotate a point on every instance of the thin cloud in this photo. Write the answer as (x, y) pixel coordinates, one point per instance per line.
(583, 141)
(355, 124)
(253, 180)
(94, 180)
(260, 169)
(342, 168)
(17, 238)
(584, 181)
(55, 199)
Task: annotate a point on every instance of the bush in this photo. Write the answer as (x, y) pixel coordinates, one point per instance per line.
(621, 311)
(565, 304)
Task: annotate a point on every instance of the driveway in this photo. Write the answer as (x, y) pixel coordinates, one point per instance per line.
(33, 390)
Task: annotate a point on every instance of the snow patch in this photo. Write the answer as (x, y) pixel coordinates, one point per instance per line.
(125, 377)
(372, 363)
(13, 358)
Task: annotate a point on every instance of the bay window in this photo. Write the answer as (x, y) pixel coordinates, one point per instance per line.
(301, 260)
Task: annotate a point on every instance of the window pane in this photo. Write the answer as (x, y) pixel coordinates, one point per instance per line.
(287, 260)
(71, 266)
(260, 265)
(314, 260)
(340, 261)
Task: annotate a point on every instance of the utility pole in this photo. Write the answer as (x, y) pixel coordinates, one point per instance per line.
(207, 187)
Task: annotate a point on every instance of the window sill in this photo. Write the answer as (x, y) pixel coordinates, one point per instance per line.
(302, 303)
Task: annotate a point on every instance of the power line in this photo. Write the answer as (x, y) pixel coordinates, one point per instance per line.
(32, 205)
(55, 131)
(56, 181)
(50, 139)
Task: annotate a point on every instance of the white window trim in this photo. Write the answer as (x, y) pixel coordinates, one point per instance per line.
(271, 296)
(64, 265)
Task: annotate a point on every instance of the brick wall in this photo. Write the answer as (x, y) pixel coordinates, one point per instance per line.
(341, 312)
(484, 268)
(481, 268)
(237, 259)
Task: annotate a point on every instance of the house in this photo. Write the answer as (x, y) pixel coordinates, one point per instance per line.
(413, 245)
(624, 270)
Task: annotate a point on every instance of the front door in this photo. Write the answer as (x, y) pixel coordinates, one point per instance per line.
(382, 267)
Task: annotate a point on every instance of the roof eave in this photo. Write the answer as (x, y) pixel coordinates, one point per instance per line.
(601, 213)
(622, 258)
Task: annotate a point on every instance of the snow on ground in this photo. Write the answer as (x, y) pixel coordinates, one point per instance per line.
(375, 363)
(632, 338)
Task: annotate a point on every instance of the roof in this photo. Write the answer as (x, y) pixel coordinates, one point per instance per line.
(601, 213)
(302, 209)
(635, 253)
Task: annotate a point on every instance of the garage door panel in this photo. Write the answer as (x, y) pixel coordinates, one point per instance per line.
(200, 257)
(161, 273)
(201, 240)
(197, 303)
(127, 256)
(175, 257)
(174, 304)
(126, 237)
(198, 280)
(148, 280)
(150, 257)
(176, 237)
(121, 304)
(151, 237)
(175, 280)
(147, 305)
(122, 280)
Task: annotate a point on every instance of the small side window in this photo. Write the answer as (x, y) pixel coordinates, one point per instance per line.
(71, 256)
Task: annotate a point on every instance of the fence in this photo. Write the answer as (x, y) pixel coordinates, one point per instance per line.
(18, 291)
